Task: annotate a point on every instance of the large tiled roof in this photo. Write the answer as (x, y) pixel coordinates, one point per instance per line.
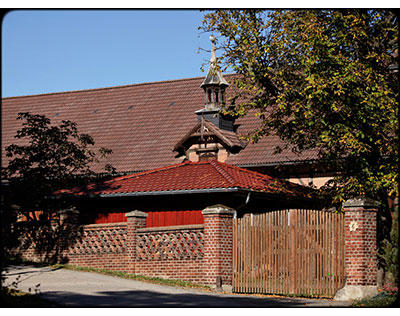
(141, 123)
(186, 176)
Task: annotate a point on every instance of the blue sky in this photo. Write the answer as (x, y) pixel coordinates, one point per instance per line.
(53, 51)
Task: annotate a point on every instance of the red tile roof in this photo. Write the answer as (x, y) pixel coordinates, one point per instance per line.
(192, 176)
(141, 123)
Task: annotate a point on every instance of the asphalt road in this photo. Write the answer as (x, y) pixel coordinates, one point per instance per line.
(87, 289)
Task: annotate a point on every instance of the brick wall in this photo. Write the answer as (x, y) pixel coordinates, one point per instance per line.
(186, 270)
(174, 252)
(203, 253)
(102, 246)
(195, 253)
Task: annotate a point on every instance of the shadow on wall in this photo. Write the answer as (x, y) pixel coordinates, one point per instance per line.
(48, 240)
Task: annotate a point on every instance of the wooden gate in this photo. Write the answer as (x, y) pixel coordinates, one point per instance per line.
(297, 252)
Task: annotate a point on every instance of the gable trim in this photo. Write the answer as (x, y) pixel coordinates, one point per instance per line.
(213, 131)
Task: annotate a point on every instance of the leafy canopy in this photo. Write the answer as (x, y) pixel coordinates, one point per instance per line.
(320, 79)
(44, 158)
(48, 157)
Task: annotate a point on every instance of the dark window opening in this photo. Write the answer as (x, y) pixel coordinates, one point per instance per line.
(216, 96)
(209, 95)
(207, 156)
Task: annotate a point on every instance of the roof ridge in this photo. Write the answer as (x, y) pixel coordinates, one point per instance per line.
(107, 88)
(221, 171)
(102, 88)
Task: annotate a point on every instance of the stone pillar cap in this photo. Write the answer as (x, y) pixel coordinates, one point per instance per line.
(136, 214)
(218, 209)
(69, 210)
(361, 202)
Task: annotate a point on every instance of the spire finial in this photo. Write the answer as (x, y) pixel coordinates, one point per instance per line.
(213, 58)
(214, 75)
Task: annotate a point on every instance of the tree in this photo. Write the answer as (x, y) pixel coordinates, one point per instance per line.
(391, 250)
(46, 158)
(321, 79)
(325, 80)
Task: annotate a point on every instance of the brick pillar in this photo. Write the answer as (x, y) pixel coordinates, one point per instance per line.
(136, 220)
(69, 230)
(69, 216)
(218, 235)
(361, 264)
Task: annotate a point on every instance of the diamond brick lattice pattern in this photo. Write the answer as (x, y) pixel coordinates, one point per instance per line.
(101, 239)
(170, 245)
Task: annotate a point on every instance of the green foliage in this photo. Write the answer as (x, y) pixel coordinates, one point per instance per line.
(387, 297)
(391, 249)
(45, 158)
(320, 79)
(383, 299)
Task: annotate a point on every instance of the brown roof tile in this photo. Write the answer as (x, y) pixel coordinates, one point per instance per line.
(141, 123)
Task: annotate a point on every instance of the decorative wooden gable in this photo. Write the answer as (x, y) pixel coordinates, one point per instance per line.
(205, 141)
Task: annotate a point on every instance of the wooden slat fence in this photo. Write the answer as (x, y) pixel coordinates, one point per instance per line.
(297, 252)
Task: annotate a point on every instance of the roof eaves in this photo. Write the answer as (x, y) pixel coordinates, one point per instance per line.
(186, 137)
(275, 163)
(170, 192)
